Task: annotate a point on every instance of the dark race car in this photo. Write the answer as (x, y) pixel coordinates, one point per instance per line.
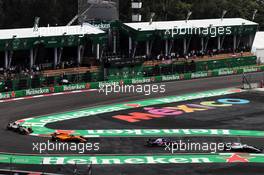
(243, 148)
(159, 142)
(16, 127)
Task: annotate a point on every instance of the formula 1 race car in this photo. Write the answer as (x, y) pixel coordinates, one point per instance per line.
(64, 137)
(16, 127)
(159, 142)
(240, 148)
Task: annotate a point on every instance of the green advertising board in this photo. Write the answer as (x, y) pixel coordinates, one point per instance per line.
(140, 80)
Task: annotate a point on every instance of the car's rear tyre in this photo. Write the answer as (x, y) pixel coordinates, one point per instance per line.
(54, 139)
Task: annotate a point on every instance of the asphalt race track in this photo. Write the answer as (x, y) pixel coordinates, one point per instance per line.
(237, 117)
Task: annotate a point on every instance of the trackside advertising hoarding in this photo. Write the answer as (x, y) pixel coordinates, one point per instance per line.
(135, 159)
(157, 79)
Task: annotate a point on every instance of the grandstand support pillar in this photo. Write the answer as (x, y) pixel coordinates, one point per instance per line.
(55, 57)
(184, 46)
(130, 45)
(79, 55)
(202, 44)
(114, 44)
(31, 62)
(147, 48)
(219, 43)
(6, 59)
(234, 43)
(166, 47)
(98, 51)
(251, 40)
(10, 58)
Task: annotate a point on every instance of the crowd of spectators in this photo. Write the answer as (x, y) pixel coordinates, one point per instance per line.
(194, 54)
(20, 71)
(17, 72)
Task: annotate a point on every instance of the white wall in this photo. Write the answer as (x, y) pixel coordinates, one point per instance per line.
(260, 55)
(258, 46)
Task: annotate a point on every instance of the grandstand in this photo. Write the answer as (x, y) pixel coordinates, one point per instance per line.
(13, 41)
(46, 55)
(168, 37)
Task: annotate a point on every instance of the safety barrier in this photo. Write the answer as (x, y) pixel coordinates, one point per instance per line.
(126, 72)
(226, 63)
(180, 67)
(153, 79)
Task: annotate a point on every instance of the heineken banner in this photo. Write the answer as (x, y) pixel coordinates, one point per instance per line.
(5, 95)
(200, 75)
(30, 92)
(225, 72)
(75, 87)
(143, 80)
(132, 159)
(251, 69)
(171, 77)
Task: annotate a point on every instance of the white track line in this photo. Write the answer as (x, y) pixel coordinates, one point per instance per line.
(47, 95)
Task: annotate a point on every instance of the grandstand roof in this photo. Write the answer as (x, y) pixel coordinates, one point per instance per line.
(49, 32)
(201, 23)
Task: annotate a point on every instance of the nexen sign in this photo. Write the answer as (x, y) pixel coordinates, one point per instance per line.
(152, 113)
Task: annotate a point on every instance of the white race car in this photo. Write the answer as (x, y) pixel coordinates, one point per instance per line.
(243, 148)
(16, 127)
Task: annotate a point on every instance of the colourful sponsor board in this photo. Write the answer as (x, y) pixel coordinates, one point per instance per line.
(135, 159)
(150, 113)
(42, 121)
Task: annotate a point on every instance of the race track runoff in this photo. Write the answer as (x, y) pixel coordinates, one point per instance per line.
(57, 104)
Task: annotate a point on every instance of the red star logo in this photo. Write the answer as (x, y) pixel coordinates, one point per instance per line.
(13, 94)
(87, 86)
(236, 158)
(51, 89)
